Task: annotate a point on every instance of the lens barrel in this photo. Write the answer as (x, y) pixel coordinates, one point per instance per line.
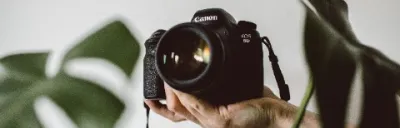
(188, 57)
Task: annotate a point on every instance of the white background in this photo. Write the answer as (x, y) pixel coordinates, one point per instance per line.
(56, 25)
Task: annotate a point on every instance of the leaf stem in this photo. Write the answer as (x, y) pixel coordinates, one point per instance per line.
(304, 103)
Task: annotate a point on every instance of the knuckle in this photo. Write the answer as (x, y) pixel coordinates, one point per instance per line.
(224, 118)
(224, 113)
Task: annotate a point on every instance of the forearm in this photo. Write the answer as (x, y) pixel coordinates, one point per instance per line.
(287, 115)
(310, 120)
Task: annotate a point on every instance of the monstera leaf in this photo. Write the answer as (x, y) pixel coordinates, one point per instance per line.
(113, 43)
(23, 79)
(333, 54)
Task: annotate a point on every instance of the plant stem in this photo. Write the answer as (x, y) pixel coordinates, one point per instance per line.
(304, 103)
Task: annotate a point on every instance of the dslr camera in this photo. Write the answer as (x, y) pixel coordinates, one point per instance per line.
(212, 57)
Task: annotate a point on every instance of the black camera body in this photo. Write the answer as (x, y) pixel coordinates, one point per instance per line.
(153, 85)
(212, 57)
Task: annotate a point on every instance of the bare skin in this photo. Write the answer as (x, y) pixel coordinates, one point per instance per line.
(266, 112)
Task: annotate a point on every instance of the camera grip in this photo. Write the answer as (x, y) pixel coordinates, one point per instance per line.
(153, 85)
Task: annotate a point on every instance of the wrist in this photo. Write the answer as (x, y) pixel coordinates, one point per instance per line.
(284, 116)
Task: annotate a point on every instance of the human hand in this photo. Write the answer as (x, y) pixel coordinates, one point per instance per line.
(262, 112)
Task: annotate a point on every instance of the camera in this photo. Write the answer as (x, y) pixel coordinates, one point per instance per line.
(212, 57)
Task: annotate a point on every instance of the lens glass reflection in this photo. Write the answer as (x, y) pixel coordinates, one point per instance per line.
(185, 57)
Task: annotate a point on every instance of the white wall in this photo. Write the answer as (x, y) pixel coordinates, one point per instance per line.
(36, 25)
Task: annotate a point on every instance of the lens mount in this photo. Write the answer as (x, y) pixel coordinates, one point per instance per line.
(197, 75)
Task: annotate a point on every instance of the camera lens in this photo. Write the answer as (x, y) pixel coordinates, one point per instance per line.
(189, 57)
(185, 55)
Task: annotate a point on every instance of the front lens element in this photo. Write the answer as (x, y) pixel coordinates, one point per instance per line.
(185, 56)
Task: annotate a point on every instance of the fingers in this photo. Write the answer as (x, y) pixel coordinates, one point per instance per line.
(174, 105)
(208, 115)
(181, 106)
(197, 107)
(162, 110)
(173, 110)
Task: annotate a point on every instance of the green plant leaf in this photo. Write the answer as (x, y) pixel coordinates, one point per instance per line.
(32, 64)
(20, 71)
(333, 67)
(330, 33)
(380, 83)
(114, 43)
(87, 104)
(23, 80)
(28, 120)
(335, 13)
